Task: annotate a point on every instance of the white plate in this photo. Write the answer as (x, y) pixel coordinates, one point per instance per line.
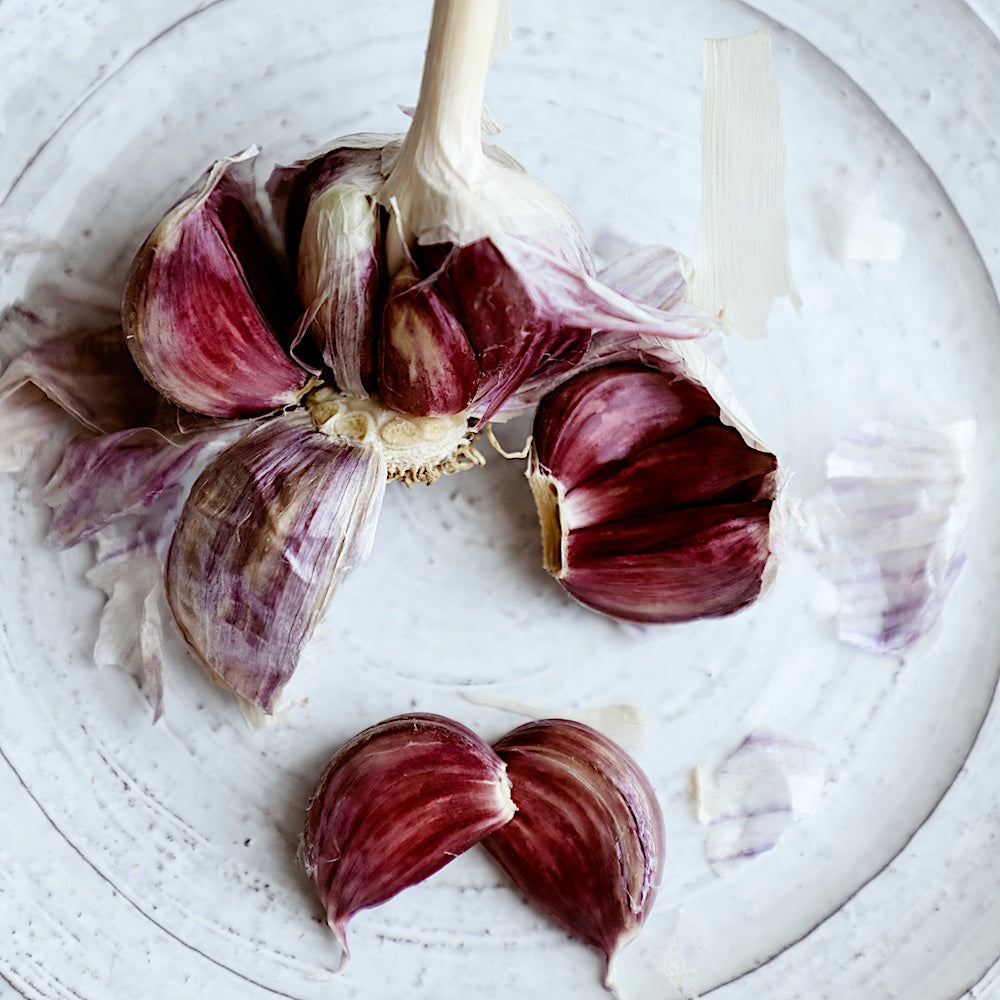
(159, 861)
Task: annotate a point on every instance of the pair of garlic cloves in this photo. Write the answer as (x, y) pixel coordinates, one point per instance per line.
(566, 813)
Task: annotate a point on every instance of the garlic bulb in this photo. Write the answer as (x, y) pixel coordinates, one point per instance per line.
(438, 274)
(586, 843)
(653, 506)
(396, 803)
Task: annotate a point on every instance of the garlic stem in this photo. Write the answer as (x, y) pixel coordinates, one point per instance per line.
(447, 125)
(443, 148)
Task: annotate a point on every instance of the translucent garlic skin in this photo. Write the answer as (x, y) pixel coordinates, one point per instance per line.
(333, 232)
(269, 530)
(654, 507)
(397, 803)
(586, 844)
(207, 310)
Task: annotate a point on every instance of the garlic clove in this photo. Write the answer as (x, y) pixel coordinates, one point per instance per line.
(426, 363)
(333, 234)
(586, 842)
(397, 803)
(269, 530)
(206, 302)
(655, 505)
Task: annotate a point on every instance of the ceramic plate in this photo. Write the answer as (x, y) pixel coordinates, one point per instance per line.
(159, 861)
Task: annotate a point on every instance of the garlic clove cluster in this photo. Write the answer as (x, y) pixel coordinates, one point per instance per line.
(655, 504)
(397, 803)
(565, 811)
(269, 530)
(207, 307)
(587, 841)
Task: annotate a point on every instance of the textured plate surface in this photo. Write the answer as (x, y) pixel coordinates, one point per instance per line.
(159, 861)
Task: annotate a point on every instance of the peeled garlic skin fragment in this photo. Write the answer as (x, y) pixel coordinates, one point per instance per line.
(269, 530)
(586, 842)
(654, 508)
(206, 303)
(398, 802)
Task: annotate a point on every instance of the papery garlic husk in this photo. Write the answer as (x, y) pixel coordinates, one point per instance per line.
(494, 274)
(207, 310)
(656, 503)
(269, 530)
(326, 209)
(586, 844)
(89, 375)
(397, 803)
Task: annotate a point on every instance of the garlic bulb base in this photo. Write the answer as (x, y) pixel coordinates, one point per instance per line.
(414, 449)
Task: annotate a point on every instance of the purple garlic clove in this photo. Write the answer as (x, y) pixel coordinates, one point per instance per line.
(207, 308)
(653, 506)
(269, 530)
(397, 803)
(586, 843)
(426, 363)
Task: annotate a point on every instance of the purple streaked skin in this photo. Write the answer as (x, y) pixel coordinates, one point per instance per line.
(207, 308)
(91, 376)
(397, 803)
(665, 510)
(586, 844)
(269, 530)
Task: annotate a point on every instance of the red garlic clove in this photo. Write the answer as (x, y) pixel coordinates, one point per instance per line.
(586, 843)
(653, 507)
(426, 363)
(397, 803)
(206, 303)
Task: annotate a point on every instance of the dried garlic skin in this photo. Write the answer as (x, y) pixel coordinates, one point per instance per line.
(654, 508)
(207, 310)
(397, 803)
(587, 843)
(269, 530)
(333, 232)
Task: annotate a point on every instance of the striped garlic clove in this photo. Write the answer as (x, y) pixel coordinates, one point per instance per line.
(207, 308)
(653, 506)
(270, 529)
(333, 235)
(397, 803)
(426, 363)
(586, 842)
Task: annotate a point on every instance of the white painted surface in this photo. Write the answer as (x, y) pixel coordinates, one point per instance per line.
(159, 862)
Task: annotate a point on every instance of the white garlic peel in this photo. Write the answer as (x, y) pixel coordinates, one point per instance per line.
(888, 529)
(741, 259)
(751, 798)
